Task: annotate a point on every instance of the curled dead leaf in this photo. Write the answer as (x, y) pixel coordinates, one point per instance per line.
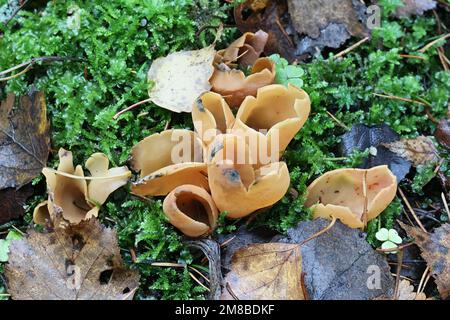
(420, 150)
(406, 292)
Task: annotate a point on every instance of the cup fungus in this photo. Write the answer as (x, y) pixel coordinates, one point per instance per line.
(246, 49)
(191, 209)
(71, 196)
(349, 194)
(211, 115)
(276, 113)
(236, 186)
(167, 160)
(234, 86)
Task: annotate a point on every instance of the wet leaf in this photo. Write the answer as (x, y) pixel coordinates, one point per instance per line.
(77, 263)
(435, 249)
(414, 7)
(12, 202)
(442, 133)
(180, 78)
(265, 271)
(362, 137)
(419, 151)
(24, 139)
(340, 264)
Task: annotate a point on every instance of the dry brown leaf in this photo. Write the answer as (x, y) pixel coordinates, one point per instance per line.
(180, 78)
(82, 262)
(270, 271)
(419, 151)
(442, 133)
(24, 139)
(435, 249)
(406, 292)
(12, 202)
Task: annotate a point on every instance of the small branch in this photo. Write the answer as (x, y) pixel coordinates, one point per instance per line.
(351, 48)
(36, 60)
(410, 56)
(445, 205)
(419, 288)
(399, 269)
(339, 122)
(333, 221)
(408, 205)
(432, 43)
(17, 74)
(395, 249)
(131, 107)
(230, 291)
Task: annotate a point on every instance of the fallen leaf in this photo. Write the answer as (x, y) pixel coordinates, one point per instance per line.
(419, 151)
(414, 7)
(442, 133)
(435, 249)
(4, 244)
(12, 202)
(340, 264)
(362, 137)
(406, 292)
(24, 139)
(82, 262)
(270, 271)
(180, 78)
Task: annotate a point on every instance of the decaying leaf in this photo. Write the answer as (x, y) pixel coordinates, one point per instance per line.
(180, 78)
(362, 137)
(265, 271)
(442, 133)
(435, 249)
(82, 262)
(24, 139)
(406, 292)
(419, 151)
(338, 264)
(12, 202)
(414, 7)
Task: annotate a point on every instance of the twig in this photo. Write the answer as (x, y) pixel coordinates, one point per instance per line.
(333, 221)
(17, 74)
(168, 264)
(408, 205)
(339, 122)
(230, 291)
(36, 60)
(445, 205)
(400, 99)
(352, 47)
(432, 43)
(199, 273)
(364, 214)
(399, 269)
(223, 244)
(304, 290)
(425, 273)
(410, 56)
(395, 249)
(442, 59)
(131, 107)
(198, 281)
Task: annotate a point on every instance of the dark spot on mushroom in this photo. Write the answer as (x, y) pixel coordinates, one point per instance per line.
(336, 191)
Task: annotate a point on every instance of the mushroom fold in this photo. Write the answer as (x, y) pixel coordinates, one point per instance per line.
(234, 86)
(167, 160)
(271, 120)
(236, 186)
(246, 49)
(191, 209)
(347, 194)
(211, 115)
(74, 199)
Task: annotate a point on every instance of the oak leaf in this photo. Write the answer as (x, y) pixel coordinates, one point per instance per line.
(81, 262)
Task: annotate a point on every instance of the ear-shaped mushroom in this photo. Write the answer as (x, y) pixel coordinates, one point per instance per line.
(346, 193)
(167, 160)
(74, 199)
(245, 49)
(234, 86)
(236, 186)
(211, 115)
(68, 196)
(191, 209)
(272, 119)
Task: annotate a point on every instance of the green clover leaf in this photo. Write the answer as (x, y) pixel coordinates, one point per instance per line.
(390, 238)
